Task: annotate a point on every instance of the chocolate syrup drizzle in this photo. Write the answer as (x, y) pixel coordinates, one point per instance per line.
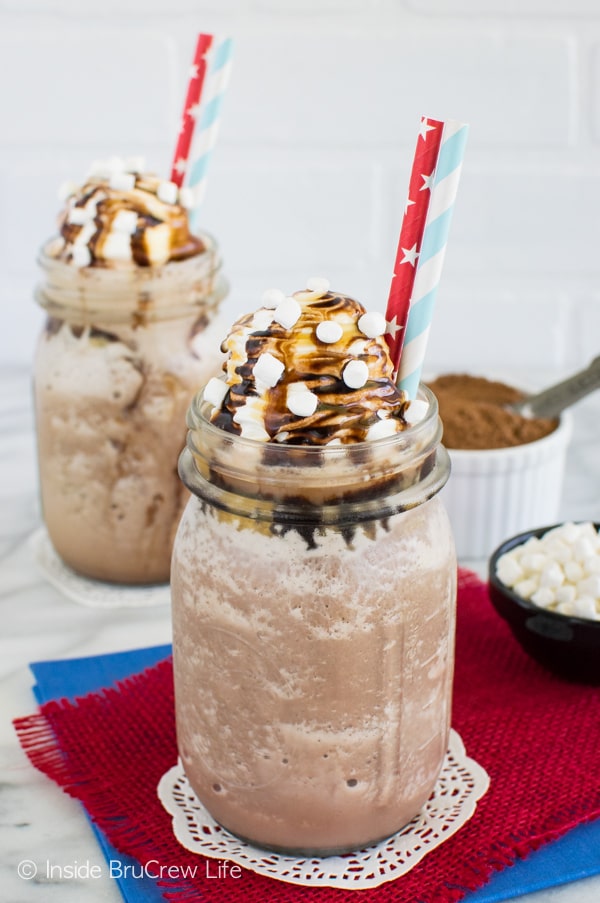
(342, 412)
(151, 213)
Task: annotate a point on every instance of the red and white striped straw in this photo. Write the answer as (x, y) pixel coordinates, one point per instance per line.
(191, 108)
(411, 234)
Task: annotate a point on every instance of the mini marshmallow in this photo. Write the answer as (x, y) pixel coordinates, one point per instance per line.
(318, 284)
(125, 221)
(79, 216)
(582, 549)
(588, 531)
(115, 164)
(187, 197)
(563, 567)
(116, 246)
(66, 190)
(416, 411)
(300, 400)
(157, 240)
(568, 532)
(589, 586)
(355, 374)
(272, 297)
(287, 312)
(261, 320)
(134, 164)
(382, 429)
(532, 545)
(543, 597)
(215, 391)
(81, 256)
(122, 181)
(573, 571)
(268, 370)
(526, 588)
(167, 192)
(534, 563)
(591, 565)
(509, 570)
(584, 607)
(329, 331)
(565, 593)
(552, 575)
(372, 324)
(98, 169)
(559, 551)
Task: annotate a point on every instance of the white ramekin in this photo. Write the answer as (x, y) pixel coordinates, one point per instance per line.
(494, 494)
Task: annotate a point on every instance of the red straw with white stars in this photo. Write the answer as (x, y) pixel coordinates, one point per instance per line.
(411, 234)
(191, 109)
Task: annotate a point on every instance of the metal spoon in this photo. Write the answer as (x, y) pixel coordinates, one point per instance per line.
(552, 401)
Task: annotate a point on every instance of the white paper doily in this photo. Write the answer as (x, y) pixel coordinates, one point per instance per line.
(93, 593)
(461, 784)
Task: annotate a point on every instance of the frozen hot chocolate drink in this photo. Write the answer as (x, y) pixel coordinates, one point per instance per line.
(313, 583)
(131, 296)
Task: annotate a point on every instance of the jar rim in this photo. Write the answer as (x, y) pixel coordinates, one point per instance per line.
(44, 259)
(416, 432)
(299, 484)
(170, 290)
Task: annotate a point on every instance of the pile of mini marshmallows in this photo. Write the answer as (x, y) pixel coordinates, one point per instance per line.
(120, 174)
(268, 370)
(560, 571)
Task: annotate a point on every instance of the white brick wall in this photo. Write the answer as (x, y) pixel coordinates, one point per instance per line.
(315, 149)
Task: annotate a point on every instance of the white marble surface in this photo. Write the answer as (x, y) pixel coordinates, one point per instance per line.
(37, 821)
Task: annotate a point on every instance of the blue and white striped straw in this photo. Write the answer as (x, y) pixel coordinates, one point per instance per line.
(431, 256)
(220, 63)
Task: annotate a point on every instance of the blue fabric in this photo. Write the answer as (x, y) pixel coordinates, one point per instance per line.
(76, 677)
(574, 856)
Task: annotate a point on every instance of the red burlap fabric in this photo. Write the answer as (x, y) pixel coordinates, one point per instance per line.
(537, 736)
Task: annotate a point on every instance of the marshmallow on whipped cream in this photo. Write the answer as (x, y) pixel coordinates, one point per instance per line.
(311, 368)
(121, 216)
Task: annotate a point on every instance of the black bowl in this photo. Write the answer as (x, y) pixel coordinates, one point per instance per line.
(567, 646)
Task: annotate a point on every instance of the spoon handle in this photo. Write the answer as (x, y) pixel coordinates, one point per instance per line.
(552, 401)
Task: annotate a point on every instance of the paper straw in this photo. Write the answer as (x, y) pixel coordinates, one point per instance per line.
(431, 257)
(210, 118)
(411, 234)
(191, 109)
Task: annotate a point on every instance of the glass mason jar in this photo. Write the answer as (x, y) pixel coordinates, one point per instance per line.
(313, 599)
(122, 354)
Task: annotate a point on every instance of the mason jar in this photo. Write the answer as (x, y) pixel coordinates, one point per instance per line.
(121, 355)
(313, 600)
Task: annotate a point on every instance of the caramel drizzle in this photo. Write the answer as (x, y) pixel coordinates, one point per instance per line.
(151, 212)
(342, 413)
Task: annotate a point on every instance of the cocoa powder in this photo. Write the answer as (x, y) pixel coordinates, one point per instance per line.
(474, 415)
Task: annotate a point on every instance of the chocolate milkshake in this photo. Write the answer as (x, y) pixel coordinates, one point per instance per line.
(131, 296)
(313, 584)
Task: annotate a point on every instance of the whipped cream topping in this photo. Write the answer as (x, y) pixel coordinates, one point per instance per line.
(121, 216)
(308, 369)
